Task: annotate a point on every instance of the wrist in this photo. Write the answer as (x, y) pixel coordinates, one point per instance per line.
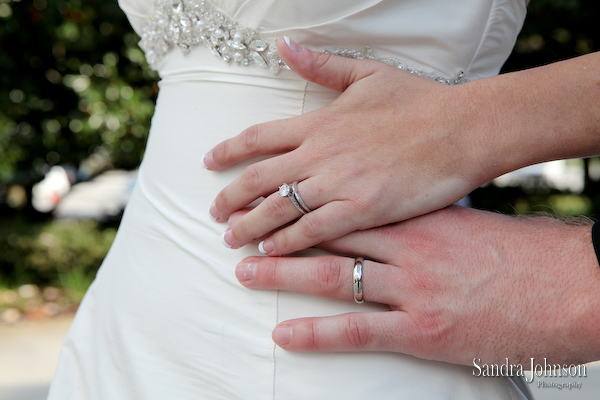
(584, 321)
(536, 115)
(561, 284)
(490, 146)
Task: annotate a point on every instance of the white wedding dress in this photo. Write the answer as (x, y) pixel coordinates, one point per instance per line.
(165, 317)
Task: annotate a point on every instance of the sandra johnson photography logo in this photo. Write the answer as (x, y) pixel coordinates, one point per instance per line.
(539, 369)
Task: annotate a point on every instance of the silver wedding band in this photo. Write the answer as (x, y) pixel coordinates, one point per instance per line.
(298, 198)
(291, 192)
(357, 280)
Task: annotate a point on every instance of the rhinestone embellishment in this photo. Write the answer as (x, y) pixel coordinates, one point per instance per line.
(368, 54)
(187, 23)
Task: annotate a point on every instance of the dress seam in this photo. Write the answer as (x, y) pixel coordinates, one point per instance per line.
(274, 345)
(483, 37)
(304, 98)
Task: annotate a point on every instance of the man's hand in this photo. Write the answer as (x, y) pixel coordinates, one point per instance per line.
(461, 284)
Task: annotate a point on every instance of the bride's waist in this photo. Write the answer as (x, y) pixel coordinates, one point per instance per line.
(200, 65)
(201, 106)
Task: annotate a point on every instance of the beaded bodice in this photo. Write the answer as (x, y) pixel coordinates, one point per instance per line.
(418, 36)
(187, 23)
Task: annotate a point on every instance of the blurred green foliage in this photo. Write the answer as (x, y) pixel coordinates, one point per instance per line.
(75, 89)
(52, 253)
(73, 83)
(556, 30)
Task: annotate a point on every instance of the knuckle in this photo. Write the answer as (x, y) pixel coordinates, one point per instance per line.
(312, 338)
(250, 138)
(282, 241)
(357, 331)
(222, 202)
(310, 226)
(425, 282)
(277, 207)
(222, 153)
(241, 231)
(320, 62)
(267, 272)
(251, 178)
(329, 276)
(321, 120)
(432, 331)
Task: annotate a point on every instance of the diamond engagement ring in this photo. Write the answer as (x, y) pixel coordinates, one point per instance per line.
(357, 281)
(291, 192)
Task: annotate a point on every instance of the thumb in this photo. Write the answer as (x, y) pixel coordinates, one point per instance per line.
(333, 72)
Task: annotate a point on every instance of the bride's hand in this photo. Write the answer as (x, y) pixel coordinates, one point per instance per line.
(391, 147)
(460, 283)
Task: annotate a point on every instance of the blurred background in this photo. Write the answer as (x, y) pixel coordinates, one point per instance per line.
(76, 98)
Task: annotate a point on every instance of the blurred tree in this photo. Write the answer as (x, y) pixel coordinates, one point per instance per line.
(556, 30)
(73, 84)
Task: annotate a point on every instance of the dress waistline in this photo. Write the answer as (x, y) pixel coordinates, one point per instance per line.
(187, 23)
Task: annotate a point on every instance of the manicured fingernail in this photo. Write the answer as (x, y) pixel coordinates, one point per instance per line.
(214, 213)
(224, 241)
(293, 45)
(245, 271)
(207, 159)
(282, 335)
(229, 240)
(266, 246)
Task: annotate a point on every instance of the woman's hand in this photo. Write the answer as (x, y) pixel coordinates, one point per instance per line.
(461, 284)
(391, 147)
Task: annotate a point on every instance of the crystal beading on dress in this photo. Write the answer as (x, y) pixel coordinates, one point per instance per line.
(187, 23)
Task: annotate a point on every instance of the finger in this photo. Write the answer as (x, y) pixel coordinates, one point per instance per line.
(364, 331)
(381, 243)
(261, 139)
(236, 216)
(417, 237)
(232, 219)
(327, 70)
(259, 179)
(332, 220)
(275, 212)
(326, 276)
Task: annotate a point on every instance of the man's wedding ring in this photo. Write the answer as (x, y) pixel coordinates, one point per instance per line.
(291, 192)
(357, 280)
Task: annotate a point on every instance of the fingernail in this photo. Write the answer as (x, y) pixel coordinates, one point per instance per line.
(207, 159)
(224, 241)
(245, 271)
(214, 213)
(293, 45)
(282, 335)
(266, 246)
(228, 239)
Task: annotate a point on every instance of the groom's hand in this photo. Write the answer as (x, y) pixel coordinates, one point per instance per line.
(461, 284)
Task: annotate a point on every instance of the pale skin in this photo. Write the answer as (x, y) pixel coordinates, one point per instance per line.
(394, 146)
(460, 283)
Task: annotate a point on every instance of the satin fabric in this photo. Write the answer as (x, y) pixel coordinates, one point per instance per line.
(166, 317)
